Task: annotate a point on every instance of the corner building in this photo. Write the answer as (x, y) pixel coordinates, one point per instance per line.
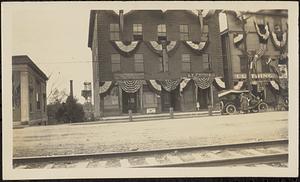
(265, 55)
(148, 61)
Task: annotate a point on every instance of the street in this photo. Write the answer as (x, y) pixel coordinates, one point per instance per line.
(132, 136)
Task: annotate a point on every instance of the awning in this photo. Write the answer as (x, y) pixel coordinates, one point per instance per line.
(130, 86)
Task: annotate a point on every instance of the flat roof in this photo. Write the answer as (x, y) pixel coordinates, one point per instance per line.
(24, 59)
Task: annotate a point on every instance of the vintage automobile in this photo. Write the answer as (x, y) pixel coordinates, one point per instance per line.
(230, 102)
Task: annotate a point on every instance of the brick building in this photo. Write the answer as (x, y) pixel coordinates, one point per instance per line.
(148, 61)
(263, 54)
(28, 91)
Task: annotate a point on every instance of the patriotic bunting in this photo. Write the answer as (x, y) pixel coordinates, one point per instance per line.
(156, 47)
(203, 82)
(220, 82)
(169, 85)
(184, 83)
(156, 86)
(239, 85)
(262, 32)
(279, 39)
(274, 85)
(130, 86)
(105, 87)
(126, 49)
(237, 39)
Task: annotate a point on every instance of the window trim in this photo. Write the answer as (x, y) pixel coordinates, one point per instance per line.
(184, 33)
(114, 63)
(139, 63)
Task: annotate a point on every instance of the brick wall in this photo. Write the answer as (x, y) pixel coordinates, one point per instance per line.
(150, 19)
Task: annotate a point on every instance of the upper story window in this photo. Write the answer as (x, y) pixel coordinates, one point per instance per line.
(137, 30)
(184, 32)
(115, 63)
(114, 30)
(186, 63)
(243, 64)
(139, 63)
(161, 32)
(205, 62)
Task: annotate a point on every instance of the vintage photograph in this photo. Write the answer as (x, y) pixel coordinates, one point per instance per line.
(114, 88)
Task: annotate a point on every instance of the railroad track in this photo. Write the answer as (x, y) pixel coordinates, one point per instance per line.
(270, 153)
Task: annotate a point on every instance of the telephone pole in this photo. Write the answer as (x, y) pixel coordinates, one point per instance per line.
(243, 20)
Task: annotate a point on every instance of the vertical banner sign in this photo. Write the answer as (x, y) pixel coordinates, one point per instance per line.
(164, 56)
(200, 16)
(121, 15)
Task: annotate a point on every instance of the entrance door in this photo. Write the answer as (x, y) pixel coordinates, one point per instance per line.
(203, 98)
(165, 100)
(129, 102)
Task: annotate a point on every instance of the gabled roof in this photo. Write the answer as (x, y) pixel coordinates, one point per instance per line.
(24, 59)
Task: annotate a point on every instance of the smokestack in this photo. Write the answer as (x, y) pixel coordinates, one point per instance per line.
(71, 88)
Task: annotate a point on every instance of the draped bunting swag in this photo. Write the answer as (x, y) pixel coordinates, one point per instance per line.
(155, 85)
(220, 82)
(184, 83)
(279, 44)
(126, 50)
(238, 86)
(237, 39)
(203, 82)
(130, 86)
(263, 37)
(274, 85)
(157, 47)
(105, 87)
(169, 85)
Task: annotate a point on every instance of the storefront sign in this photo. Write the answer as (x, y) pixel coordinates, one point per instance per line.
(151, 110)
(129, 76)
(255, 76)
(192, 75)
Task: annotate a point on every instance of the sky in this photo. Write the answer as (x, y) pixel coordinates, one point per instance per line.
(56, 41)
(55, 37)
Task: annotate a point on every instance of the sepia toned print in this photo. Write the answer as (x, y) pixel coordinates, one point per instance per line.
(152, 89)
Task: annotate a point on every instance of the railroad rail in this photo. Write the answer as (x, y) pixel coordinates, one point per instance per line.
(252, 153)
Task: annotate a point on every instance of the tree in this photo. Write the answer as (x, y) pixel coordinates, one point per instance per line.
(71, 111)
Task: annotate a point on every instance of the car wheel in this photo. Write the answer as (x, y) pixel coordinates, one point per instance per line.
(230, 109)
(262, 107)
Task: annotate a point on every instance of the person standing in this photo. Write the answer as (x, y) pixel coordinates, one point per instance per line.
(244, 103)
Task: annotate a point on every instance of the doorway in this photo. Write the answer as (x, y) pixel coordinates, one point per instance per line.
(203, 95)
(170, 99)
(129, 101)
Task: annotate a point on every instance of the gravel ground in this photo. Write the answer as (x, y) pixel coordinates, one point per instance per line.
(116, 137)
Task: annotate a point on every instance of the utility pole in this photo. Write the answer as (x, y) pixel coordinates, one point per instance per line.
(243, 20)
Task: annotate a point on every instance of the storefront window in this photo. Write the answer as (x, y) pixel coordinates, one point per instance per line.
(112, 100)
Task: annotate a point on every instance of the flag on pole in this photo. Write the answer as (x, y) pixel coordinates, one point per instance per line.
(121, 15)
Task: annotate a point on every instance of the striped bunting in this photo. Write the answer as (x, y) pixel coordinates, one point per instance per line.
(203, 82)
(170, 85)
(130, 86)
(105, 87)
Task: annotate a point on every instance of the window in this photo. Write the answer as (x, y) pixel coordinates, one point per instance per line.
(205, 62)
(137, 31)
(161, 32)
(243, 64)
(163, 66)
(38, 101)
(114, 31)
(184, 32)
(44, 99)
(186, 63)
(115, 62)
(138, 63)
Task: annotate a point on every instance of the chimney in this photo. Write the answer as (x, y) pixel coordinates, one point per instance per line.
(71, 88)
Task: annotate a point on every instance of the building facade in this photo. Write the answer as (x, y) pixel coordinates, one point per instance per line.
(149, 61)
(28, 91)
(255, 45)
